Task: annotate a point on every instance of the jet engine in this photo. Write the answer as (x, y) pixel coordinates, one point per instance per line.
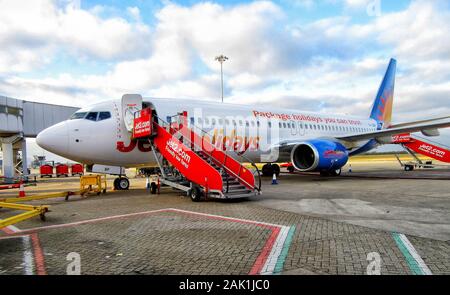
(319, 155)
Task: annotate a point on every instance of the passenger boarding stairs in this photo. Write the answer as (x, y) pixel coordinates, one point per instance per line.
(190, 162)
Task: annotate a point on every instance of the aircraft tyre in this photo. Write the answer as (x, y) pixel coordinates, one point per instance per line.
(153, 188)
(270, 169)
(335, 172)
(409, 167)
(275, 169)
(121, 183)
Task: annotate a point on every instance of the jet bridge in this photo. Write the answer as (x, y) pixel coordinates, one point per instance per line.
(20, 119)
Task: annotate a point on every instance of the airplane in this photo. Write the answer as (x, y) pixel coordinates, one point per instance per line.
(102, 133)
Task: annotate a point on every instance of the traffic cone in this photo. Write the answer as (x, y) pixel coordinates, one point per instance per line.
(274, 179)
(21, 190)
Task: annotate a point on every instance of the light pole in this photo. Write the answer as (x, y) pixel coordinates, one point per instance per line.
(221, 58)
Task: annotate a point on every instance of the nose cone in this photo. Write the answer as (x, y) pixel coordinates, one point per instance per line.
(55, 139)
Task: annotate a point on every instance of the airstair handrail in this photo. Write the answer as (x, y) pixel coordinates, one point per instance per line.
(226, 153)
(228, 170)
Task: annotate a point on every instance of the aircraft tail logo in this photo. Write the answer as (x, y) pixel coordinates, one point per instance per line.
(382, 106)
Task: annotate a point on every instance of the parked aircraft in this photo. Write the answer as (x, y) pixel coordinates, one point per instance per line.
(102, 133)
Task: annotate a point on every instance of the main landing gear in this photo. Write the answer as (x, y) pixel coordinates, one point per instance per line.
(121, 183)
(270, 169)
(335, 172)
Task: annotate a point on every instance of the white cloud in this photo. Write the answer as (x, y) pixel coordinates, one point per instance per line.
(357, 3)
(31, 36)
(327, 65)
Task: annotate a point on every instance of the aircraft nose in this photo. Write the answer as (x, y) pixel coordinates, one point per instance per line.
(55, 139)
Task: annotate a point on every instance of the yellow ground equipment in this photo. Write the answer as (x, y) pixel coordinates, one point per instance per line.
(93, 183)
(31, 211)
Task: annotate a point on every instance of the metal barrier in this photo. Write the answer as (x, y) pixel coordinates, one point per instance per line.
(31, 211)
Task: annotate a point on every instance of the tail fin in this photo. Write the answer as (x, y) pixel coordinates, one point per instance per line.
(382, 106)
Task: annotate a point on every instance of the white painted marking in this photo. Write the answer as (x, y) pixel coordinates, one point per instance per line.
(270, 262)
(27, 255)
(415, 255)
(272, 259)
(13, 228)
(92, 220)
(224, 217)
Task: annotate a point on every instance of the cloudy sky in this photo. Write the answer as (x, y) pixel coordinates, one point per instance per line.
(324, 55)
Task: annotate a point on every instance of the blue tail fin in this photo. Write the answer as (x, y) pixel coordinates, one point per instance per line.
(382, 106)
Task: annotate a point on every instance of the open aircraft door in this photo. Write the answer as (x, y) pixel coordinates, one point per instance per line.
(131, 103)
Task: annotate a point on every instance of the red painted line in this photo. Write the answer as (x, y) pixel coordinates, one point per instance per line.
(39, 260)
(262, 258)
(35, 229)
(7, 231)
(256, 268)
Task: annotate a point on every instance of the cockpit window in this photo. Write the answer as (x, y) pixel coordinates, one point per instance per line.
(104, 116)
(92, 116)
(78, 115)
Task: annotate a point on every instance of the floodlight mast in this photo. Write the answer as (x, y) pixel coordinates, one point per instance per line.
(221, 58)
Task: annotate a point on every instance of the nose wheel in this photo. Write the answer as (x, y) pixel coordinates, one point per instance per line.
(270, 169)
(121, 183)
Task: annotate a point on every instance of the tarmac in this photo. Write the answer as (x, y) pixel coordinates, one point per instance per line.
(360, 223)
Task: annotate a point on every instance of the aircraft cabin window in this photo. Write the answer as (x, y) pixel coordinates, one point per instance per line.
(79, 115)
(221, 121)
(284, 125)
(206, 121)
(103, 116)
(240, 122)
(280, 125)
(192, 120)
(92, 116)
(213, 121)
(227, 122)
(257, 123)
(247, 124)
(269, 124)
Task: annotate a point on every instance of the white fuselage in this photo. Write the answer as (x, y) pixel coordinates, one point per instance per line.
(95, 141)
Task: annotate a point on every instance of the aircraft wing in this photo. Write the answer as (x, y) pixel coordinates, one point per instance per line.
(426, 128)
(417, 122)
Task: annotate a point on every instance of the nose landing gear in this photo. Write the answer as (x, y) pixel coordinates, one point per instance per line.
(121, 183)
(270, 169)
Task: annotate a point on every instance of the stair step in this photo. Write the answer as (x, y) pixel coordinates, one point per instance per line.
(230, 180)
(234, 186)
(240, 190)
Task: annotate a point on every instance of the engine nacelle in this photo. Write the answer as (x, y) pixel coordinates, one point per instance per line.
(319, 155)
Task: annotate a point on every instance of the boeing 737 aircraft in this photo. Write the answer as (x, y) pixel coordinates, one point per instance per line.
(313, 142)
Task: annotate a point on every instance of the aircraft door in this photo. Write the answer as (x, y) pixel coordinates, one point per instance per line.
(301, 128)
(293, 128)
(131, 103)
